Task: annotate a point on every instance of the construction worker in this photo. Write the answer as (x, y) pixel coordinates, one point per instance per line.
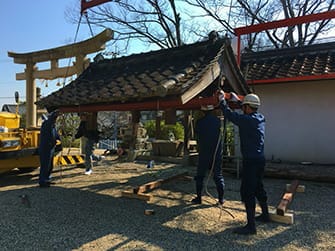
(88, 129)
(251, 126)
(48, 139)
(207, 131)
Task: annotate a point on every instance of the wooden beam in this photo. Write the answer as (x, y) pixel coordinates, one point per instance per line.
(285, 22)
(300, 188)
(195, 103)
(148, 186)
(85, 47)
(287, 218)
(50, 74)
(206, 79)
(139, 196)
(154, 184)
(287, 198)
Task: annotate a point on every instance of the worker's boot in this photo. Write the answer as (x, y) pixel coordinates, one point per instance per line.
(198, 188)
(250, 228)
(264, 216)
(220, 196)
(196, 200)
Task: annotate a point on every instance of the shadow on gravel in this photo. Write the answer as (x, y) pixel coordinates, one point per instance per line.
(57, 218)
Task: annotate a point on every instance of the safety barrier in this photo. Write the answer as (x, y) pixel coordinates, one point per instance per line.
(64, 160)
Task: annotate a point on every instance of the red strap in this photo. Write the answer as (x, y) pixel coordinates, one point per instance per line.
(86, 4)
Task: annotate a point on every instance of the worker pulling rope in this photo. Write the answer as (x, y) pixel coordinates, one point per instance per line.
(209, 137)
(216, 158)
(220, 141)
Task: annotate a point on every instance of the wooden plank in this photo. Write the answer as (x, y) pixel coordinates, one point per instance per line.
(300, 188)
(202, 83)
(138, 196)
(287, 218)
(154, 184)
(287, 198)
(148, 186)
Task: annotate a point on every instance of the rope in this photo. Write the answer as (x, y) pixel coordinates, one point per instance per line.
(89, 24)
(75, 39)
(67, 71)
(220, 139)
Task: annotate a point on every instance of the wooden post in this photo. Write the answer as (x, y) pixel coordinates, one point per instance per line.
(30, 95)
(287, 198)
(135, 119)
(158, 126)
(170, 116)
(187, 131)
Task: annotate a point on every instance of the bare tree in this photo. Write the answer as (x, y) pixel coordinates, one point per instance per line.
(170, 23)
(150, 22)
(249, 12)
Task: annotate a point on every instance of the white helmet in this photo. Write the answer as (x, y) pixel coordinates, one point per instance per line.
(252, 100)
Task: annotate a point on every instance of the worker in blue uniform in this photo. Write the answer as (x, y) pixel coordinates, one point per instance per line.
(251, 126)
(207, 131)
(48, 140)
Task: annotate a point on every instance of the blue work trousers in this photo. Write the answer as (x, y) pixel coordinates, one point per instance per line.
(46, 161)
(205, 164)
(252, 182)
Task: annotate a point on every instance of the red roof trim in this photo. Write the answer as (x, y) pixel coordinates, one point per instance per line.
(285, 22)
(293, 79)
(276, 24)
(194, 103)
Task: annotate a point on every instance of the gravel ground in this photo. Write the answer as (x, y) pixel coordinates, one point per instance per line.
(84, 212)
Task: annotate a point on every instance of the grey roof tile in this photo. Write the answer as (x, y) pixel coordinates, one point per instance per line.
(309, 60)
(163, 74)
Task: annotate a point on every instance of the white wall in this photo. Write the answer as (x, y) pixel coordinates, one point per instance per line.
(300, 120)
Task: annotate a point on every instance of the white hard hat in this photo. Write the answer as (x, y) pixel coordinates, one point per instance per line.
(207, 107)
(252, 100)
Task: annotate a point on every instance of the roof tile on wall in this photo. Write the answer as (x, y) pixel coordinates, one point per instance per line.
(309, 60)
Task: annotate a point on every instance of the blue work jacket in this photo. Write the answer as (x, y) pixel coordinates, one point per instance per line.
(207, 131)
(251, 129)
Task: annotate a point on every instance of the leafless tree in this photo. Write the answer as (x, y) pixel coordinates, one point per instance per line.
(170, 23)
(150, 22)
(249, 12)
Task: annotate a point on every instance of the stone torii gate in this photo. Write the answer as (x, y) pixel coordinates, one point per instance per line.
(78, 50)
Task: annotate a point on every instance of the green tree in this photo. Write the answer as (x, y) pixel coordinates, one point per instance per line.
(177, 130)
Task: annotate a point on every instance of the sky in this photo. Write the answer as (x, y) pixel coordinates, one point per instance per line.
(28, 26)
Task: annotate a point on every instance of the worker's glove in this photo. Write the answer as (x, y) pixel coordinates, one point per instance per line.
(221, 96)
(234, 97)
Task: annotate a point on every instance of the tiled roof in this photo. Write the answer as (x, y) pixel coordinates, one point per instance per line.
(177, 73)
(313, 60)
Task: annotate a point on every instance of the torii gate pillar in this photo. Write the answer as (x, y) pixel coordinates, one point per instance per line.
(31, 112)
